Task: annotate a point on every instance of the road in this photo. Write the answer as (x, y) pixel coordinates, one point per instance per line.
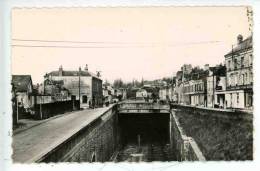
(33, 143)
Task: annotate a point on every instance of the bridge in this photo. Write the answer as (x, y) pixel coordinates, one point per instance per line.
(142, 107)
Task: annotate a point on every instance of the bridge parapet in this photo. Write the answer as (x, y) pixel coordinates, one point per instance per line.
(142, 107)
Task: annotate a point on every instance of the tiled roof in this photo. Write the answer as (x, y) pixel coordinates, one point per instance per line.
(74, 73)
(245, 44)
(21, 82)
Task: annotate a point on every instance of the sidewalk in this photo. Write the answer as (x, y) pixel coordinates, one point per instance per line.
(31, 144)
(25, 124)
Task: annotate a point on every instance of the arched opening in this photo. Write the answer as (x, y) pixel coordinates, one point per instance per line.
(93, 157)
(84, 99)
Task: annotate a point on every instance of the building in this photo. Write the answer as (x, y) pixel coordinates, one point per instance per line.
(56, 89)
(239, 83)
(168, 93)
(194, 92)
(186, 70)
(120, 93)
(22, 84)
(82, 85)
(141, 94)
(216, 85)
(108, 93)
(164, 93)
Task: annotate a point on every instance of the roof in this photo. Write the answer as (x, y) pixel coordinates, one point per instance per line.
(21, 82)
(141, 90)
(74, 73)
(149, 89)
(245, 44)
(219, 70)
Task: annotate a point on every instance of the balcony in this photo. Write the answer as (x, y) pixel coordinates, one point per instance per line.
(219, 88)
(239, 87)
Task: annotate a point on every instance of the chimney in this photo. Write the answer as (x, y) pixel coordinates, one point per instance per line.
(239, 39)
(206, 67)
(86, 67)
(60, 70)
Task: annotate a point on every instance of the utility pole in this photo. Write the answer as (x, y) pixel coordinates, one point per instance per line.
(41, 108)
(213, 88)
(79, 85)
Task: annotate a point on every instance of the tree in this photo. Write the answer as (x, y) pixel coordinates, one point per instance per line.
(118, 83)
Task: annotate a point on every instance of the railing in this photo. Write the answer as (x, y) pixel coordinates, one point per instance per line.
(245, 86)
(142, 107)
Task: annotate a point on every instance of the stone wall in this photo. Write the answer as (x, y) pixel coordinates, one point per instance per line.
(95, 143)
(185, 147)
(47, 110)
(220, 134)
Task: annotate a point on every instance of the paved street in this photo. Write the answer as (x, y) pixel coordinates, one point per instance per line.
(32, 143)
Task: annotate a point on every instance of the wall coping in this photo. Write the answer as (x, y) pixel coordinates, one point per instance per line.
(188, 140)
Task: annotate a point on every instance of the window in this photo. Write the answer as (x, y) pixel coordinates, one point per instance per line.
(231, 99)
(231, 80)
(245, 78)
(251, 77)
(235, 79)
(242, 62)
(229, 65)
(235, 63)
(251, 59)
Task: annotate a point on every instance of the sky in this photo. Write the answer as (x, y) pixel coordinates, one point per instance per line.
(127, 43)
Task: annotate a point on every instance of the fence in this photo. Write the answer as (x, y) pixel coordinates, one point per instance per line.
(46, 110)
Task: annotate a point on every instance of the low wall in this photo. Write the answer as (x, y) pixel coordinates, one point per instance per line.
(95, 142)
(46, 110)
(185, 147)
(219, 113)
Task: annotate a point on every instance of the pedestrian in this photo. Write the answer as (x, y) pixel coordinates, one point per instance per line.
(89, 103)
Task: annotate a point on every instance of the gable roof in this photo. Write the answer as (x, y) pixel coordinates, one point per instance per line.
(74, 73)
(245, 44)
(21, 82)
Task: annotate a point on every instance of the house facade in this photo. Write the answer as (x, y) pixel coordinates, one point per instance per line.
(22, 84)
(216, 86)
(239, 83)
(141, 94)
(194, 93)
(82, 85)
(108, 93)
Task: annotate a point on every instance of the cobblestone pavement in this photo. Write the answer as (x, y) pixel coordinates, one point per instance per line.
(32, 143)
